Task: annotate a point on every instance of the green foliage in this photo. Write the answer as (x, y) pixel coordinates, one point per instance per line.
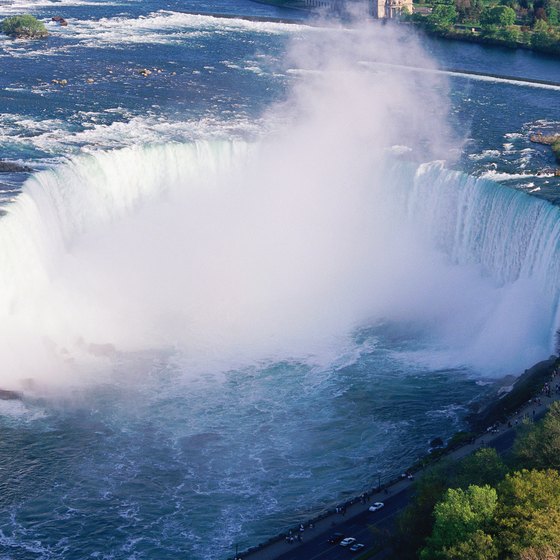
(461, 521)
(415, 524)
(511, 34)
(498, 15)
(552, 14)
(519, 519)
(479, 546)
(528, 514)
(490, 31)
(538, 445)
(468, 10)
(545, 37)
(23, 26)
(443, 16)
(474, 510)
(481, 468)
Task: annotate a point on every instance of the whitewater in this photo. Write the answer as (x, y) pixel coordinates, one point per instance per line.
(258, 281)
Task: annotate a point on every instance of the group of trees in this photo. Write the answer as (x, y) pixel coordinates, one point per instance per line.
(483, 508)
(513, 22)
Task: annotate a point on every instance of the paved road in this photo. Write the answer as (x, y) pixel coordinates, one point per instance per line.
(368, 527)
(364, 526)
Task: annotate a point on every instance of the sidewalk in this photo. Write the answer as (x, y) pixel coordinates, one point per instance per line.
(326, 523)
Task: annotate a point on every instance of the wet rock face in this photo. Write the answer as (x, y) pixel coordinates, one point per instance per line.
(9, 395)
(60, 20)
(12, 167)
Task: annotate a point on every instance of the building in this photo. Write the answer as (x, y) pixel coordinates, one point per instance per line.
(379, 9)
(382, 9)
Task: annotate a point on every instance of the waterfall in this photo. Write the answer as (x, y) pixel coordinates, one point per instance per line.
(220, 249)
(509, 235)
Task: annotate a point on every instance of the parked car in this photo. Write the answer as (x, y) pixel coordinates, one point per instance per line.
(335, 538)
(347, 541)
(376, 506)
(357, 547)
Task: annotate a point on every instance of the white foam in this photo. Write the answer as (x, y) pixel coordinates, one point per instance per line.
(54, 136)
(485, 154)
(494, 175)
(18, 6)
(167, 27)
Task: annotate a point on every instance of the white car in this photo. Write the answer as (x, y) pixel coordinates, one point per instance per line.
(376, 506)
(347, 541)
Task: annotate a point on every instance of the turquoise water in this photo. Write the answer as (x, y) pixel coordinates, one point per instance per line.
(239, 290)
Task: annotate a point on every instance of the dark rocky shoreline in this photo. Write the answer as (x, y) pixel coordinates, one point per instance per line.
(511, 394)
(12, 167)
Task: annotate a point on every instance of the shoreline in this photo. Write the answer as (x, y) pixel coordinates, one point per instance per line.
(503, 407)
(449, 34)
(452, 35)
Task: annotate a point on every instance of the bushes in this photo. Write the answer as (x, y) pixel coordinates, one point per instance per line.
(25, 26)
(482, 509)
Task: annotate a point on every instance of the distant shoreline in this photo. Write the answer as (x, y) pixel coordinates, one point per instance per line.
(452, 35)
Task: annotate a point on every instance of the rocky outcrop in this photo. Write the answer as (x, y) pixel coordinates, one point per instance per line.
(541, 138)
(509, 396)
(12, 167)
(60, 20)
(6, 395)
(552, 140)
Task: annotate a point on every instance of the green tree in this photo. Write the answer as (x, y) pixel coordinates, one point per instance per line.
(552, 15)
(528, 513)
(478, 546)
(483, 467)
(537, 446)
(23, 26)
(545, 37)
(443, 16)
(462, 520)
(468, 10)
(501, 16)
(511, 34)
(416, 522)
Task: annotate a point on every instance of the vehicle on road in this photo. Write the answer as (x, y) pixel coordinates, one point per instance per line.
(347, 541)
(335, 538)
(376, 506)
(357, 547)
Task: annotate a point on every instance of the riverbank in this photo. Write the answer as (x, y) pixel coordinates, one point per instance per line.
(470, 36)
(512, 394)
(512, 37)
(512, 401)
